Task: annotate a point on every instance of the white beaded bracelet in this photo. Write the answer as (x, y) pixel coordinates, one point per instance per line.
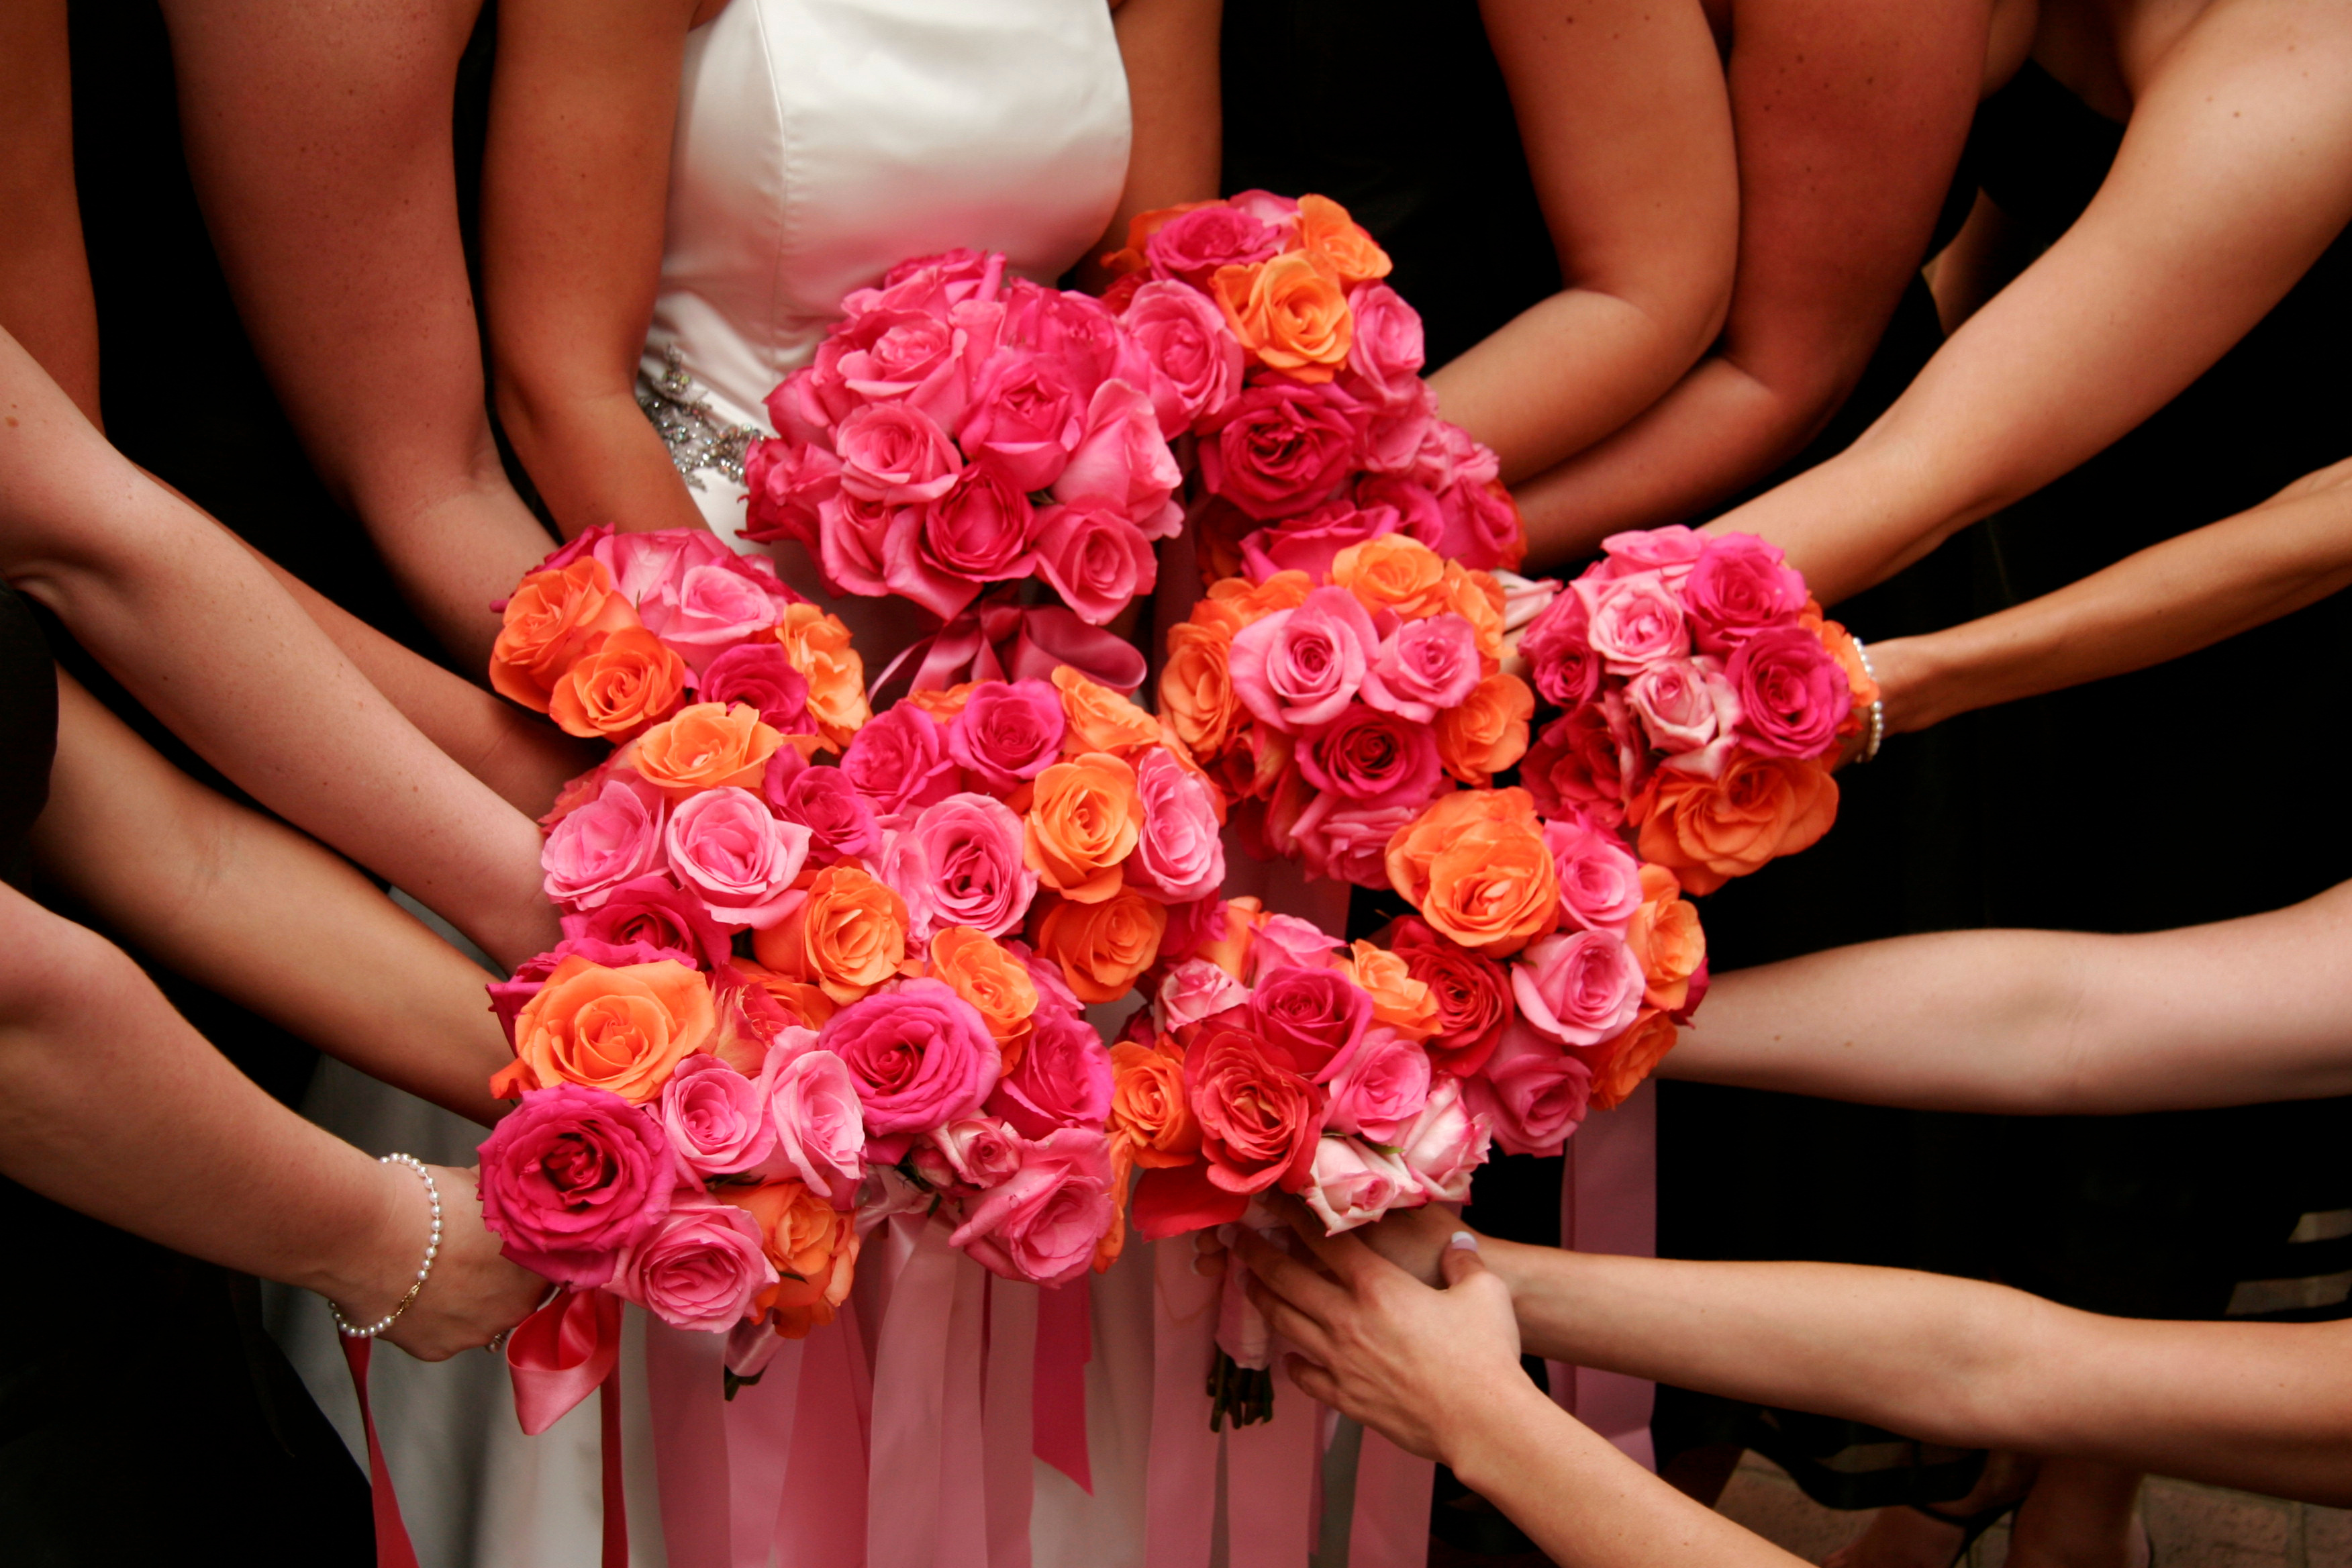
(1877, 707)
(431, 1250)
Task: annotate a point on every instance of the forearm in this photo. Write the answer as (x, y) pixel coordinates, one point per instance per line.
(1176, 101)
(595, 458)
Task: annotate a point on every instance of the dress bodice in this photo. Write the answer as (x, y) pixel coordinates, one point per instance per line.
(821, 141)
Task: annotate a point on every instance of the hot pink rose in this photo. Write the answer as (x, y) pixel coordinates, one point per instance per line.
(1025, 418)
(1372, 758)
(1579, 987)
(759, 675)
(1448, 456)
(1178, 856)
(1285, 942)
(1380, 1088)
(1063, 1079)
(1445, 1144)
(1483, 528)
(1311, 541)
(699, 1267)
(790, 480)
(715, 1118)
(726, 849)
(1197, 358)
(852, 543)
(1041, 1223)
(613, 839)
(900, 761)
(653, 911)
(1281, 448)
(1385, 356)
(1296, 669)
(1684, 704)
(570, 1177)
(914, 357)
(1532, 1092)
(894, 454)
(1793, 695)
(978, 532)
(959, 863)
(1123, 463)
(1567, 670)
(978, 1151)
(1352, 1184)
(823, 800)
(1349, 842)
(1310, 1019)
(920, 1057)
(1631, 621)
(813, 1106)
(1586, 761)
(1008, 730)
(1077, 331)
(1195, 989)
(1423, 667)
(1095, 559)
(1599, 880)
(1415, 504)
(1670, 552)
(1738, 587)
(1192, 245)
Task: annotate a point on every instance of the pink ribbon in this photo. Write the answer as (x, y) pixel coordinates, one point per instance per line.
(1609, 1203)
(1007, 1418)
(685, 1394)
(1389, 1526)
(1001, 641)
(822, 1521)
(554, 1358)
(1270, 1491)
(392, 1545)
(1177, 1521)
(1064, 1345)
(926, 1500)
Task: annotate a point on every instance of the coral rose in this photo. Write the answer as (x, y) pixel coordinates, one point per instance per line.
(1665, 939)
(813, 1246)
(1707, 831)
(618, 1029)
(1332, 237)
(1619, 1066)
(1309, 1018)
(818, 646)
(1472, 996)
(848, 935)
(1393, 572)
(1083, 821)
(555, 619)
(1101, 948)
(625, 683)
(1101, 719)
(1196, 688)
(1259, 1121)
(1400, 999)
(1488, 733)
(705, 746)
(1148, 1108)
(1493, 888)
(1289, 313)
(979, 970)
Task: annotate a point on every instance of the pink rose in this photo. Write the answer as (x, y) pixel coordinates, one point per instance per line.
(1279, 448)
(1449, 457)
(1025, 418)
(1567, 670)
(1296, 669)
(1386, 354)
(790, 480)
(1380, 1087)
(726, 849)
(1076, 331)
(1009, 731)
(692, 592)
(1352, 1184)
(1122, 462)
(823, 800)
(816, 1117)
(913, 357)
(1349, 842)
(1740, 586)
(1279, 213)
(920, 1057)
(978, 1151)
(1415, 504)
(715, 1118)
(1309, 1019)
(1445, 1144)
(900, 761)
(1394, 438)
(1424, 667)
(1196, 358)
(1585, 762)
(1041, 1223)
(1483, 528)
(1178, 855)
(978, 532)
(852, 543)
(1532, 1092)
(1631, 621)
(1046, 975)
(613, 839)
(1670, 552)
(891, 453)
(959, 863)
(570, 1177)
(1599, 880)
(656, 912)
(699, 1266)
(1684, 704)
(1193, 990)
(1579, 987)
(1063, 1079)
(1793, 695)
(1095, 559)
(1192, 245)
(1309, 541)
(759, 675)
(1473, 994)
(1285, 942)
(1372, 758)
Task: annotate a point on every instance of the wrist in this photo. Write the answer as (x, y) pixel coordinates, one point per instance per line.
(1488, 1433)
(368, 1278)
(1911, 683)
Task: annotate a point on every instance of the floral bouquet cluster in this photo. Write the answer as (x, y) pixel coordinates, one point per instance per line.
(1704, 699)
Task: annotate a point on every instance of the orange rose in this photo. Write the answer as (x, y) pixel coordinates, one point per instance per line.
(1254, 601)
(1101, 719)
(1394, 572)
(621, 1029)
(1229, 950)
(628, 680)
(807, 1003)
(1619, 1066)
(1326, 233)
(812, 1244)
(1148, 1112)
(941, 705)
(1114, 1240)
(1707, 831)
(1289, 312)
(1494, 889)
(1488, 733)
(977, 969)
(818, 646)
(1083, 821)
(552, 620)
(1477, 598)
(1667, 940)
(848, 935)
(1415, 845)
(1399, 1000)
(1196, 688)
(1101, 948)
(704, 746)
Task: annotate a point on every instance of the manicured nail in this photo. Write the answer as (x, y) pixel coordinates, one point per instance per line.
(1229, 1233)
(1463, 1241)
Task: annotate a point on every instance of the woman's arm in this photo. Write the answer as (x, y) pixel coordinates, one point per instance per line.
(1176, 101)
(2173, 598)
(111, 1105)
(2046, 1023)
(44, 295)
(1849, 115)
(2235, 173)
(583, 107)
(1622, 112)
(320, 142)
(247, 907)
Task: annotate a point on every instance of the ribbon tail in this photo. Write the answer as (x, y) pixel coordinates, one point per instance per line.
(1065, 1346)
(560, 1354)
(393, 1549)
(1182, 1474)
(617, 1503)
(1609, 1203)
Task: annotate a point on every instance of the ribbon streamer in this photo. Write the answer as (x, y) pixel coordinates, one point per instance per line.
(1002, 641)
(555, 1358)
(393, 1549)
(1609, 1203)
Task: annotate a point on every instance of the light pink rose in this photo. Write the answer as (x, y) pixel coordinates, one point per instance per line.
(811, 1104)
(979, 1152)
(1684, 704)
(1740, 586)
(1285, 942)
(959, 863)
(1386, 354)
(1352, 1184)
(1449, 457)
(1025, 418)
(1279, 213)
(1178, 855)
(1395, 437)
(1095, 559)
(1531, 1091)
(1670, 552)
(1483, 528)
(715, 1117)
(1196, 358)
(1349, 841)
(1193, 990)
(613, 839)
(1296, 669)
(699, 1267)
(1424, 667)
(691, 591)
(1041, 1223)
(1445, 1144)
(1599, 880)
(1632, 622)
(1123, 462)
(891, 453)
(1579, 987)
(1380, 1086)
(726, 849)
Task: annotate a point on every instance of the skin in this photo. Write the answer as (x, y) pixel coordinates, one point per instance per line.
(2235, 173)
(1629, 139)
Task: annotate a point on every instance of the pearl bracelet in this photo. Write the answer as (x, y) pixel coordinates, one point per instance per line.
(431, 1250)
(1877, 707)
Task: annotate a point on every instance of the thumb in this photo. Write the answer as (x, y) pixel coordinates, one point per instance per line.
(1460, 1260)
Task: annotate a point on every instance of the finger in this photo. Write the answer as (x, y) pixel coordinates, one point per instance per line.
(1311, 1380)
(1345, 1255)
(1290, 1322)
(1461, 1260)
(1289, 1278)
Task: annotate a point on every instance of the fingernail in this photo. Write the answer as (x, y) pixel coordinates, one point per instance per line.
(1463, 1241)
(1229, 1233)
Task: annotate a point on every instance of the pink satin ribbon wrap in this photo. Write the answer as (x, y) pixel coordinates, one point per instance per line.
(1017, 642)
(1609, 1203)
(554, 1358)
(392, 1545)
